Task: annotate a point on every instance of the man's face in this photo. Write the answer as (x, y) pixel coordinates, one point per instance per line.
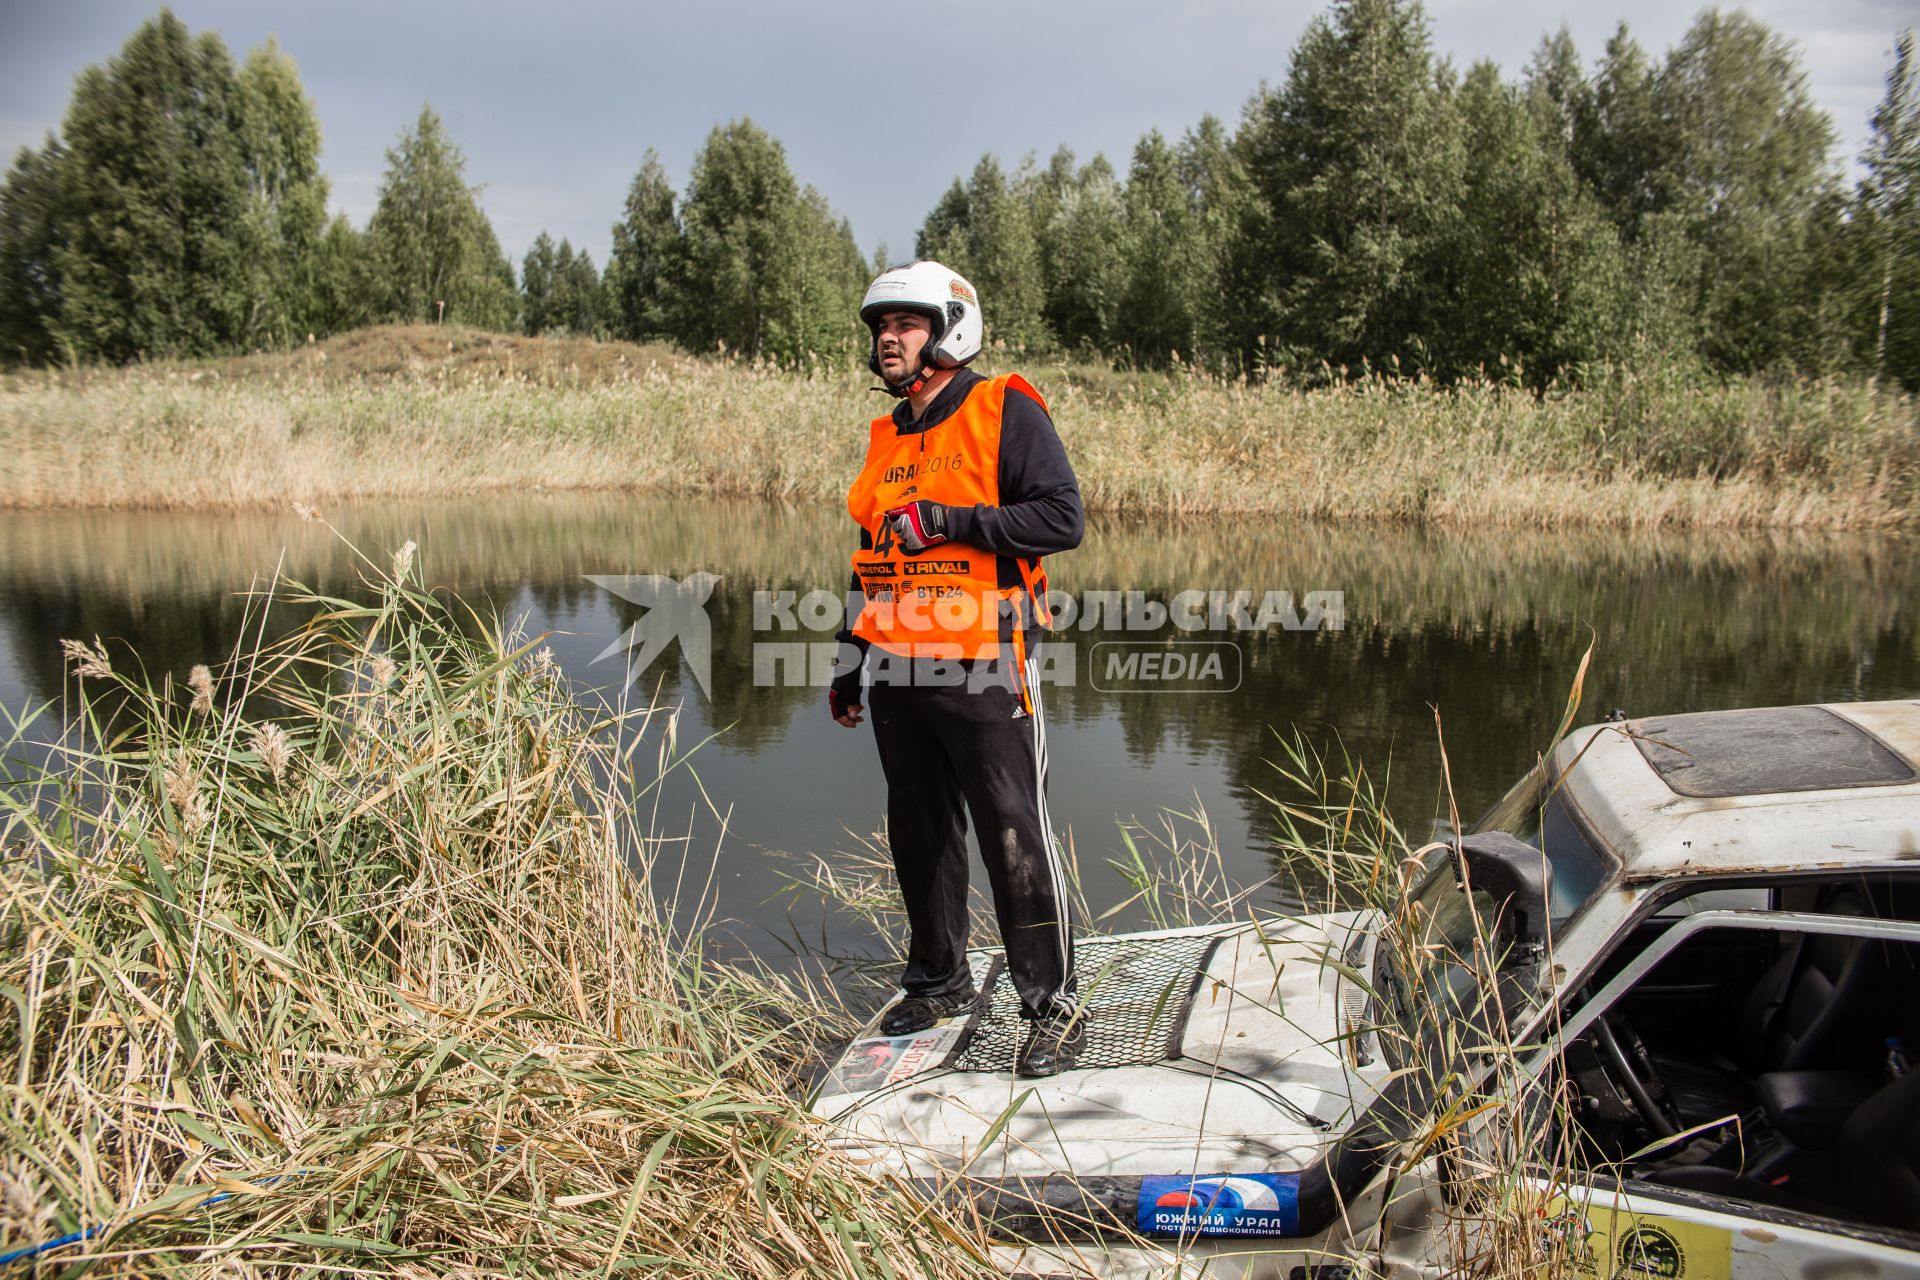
(902, 336)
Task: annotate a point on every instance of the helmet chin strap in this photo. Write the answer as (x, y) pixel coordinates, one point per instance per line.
(902, 390)
(898, 390)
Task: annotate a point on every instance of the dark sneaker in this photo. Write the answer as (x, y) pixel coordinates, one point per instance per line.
(1053, 1045)
(917, 1013)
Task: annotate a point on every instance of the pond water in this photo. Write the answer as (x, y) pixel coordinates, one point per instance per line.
(1487, 629)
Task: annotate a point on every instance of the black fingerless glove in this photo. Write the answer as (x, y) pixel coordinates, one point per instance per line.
(843, 693)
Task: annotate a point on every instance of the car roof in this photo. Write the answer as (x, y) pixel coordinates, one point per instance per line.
(1759, 789)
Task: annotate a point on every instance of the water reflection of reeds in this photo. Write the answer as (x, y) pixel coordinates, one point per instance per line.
(1797, 586)
(1487, 627)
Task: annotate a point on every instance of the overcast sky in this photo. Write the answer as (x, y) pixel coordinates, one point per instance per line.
(554, 103)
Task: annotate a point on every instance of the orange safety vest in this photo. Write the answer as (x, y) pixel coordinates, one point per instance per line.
(945, 602)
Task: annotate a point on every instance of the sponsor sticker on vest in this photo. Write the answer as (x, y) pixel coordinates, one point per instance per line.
(1229, 1204)
(913, 567)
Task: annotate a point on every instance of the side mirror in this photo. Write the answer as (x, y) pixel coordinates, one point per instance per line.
(1517, 876)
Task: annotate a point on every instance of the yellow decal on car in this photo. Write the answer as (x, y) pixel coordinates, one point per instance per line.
(1608, 1241)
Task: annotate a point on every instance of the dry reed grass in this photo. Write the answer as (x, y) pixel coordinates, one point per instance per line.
(344, 959)
(1498, 1144)
(404, 412)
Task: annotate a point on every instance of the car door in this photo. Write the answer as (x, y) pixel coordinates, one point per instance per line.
(1651, 1214)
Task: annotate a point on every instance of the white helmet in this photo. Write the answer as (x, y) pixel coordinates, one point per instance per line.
(941, 295)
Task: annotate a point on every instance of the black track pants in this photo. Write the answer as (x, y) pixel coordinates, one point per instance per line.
(953, 749)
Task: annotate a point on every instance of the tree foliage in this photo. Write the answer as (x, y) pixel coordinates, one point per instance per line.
(342, 283)
(1376, 208)
(30, 297)
(764, 269)
(1372, 208)
(644, 268)
(285, 214)
(536, 286)
(575, 299)
(153, 198)
(1534, 265)
(181, 209)
(432, 252)
(1886, 219)
(1357, 160)
(1080, 219)
(1746, 172)
(985, 230)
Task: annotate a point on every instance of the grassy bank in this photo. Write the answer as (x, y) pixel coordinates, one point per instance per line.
(342, 958)
(395, 412)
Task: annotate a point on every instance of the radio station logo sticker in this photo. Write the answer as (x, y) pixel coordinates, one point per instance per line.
(1240, 1204)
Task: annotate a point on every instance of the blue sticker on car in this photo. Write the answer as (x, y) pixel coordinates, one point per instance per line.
(1228, 1204)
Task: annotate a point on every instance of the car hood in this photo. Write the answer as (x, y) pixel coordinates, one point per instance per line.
(1272, 1065)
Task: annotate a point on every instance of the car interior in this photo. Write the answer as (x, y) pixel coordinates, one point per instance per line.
(1771, 1062)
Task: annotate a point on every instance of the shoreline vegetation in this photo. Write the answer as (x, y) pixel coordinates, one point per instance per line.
(345, 956)
(417, 411)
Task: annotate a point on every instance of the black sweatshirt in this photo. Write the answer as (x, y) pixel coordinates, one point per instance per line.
(1039, 511)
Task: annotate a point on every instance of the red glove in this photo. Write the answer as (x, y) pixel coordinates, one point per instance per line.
(919, 525)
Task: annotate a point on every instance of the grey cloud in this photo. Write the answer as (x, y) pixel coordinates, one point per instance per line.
(554, 104)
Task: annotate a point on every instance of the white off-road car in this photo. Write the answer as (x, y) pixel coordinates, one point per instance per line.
(1649, 1017)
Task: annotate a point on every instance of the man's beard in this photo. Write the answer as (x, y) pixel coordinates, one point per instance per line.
(899, 366)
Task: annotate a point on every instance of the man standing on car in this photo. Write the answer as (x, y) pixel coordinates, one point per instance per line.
(965, 487)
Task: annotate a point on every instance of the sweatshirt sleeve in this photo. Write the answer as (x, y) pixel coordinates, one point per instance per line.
(1040, 510)
(856, 597)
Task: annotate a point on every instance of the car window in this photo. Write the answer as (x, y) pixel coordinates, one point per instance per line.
(1547, 822)
(1766, 1065)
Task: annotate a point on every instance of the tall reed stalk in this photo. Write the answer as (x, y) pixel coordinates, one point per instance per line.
(1486, 1151)
(345, 959)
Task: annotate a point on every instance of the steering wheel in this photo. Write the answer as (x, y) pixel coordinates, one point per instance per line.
(1647, 1091)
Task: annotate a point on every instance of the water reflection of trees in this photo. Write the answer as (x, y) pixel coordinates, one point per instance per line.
(1488, 627)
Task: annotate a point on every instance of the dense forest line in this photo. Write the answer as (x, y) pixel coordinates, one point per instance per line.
(1374, 210)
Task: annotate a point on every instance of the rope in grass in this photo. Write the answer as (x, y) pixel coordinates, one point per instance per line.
(77, 1237)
